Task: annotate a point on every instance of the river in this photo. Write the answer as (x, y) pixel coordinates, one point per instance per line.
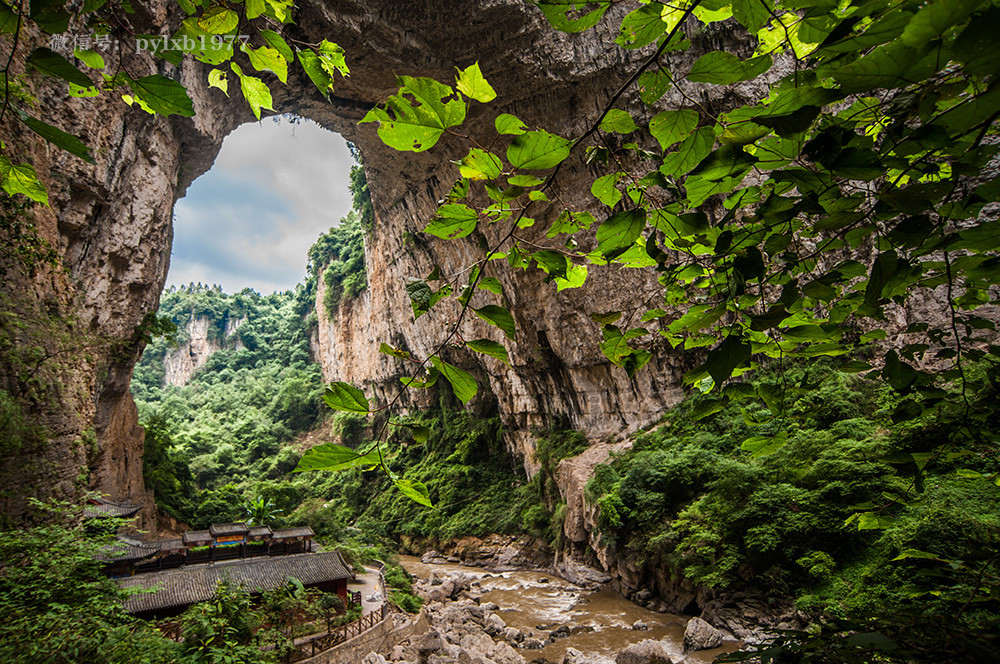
(536, 600)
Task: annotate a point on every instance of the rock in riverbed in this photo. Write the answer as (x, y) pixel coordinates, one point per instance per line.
(699, 635)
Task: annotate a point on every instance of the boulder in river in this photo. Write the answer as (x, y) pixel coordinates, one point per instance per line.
(644, 652)
(699, 635)
(574, 656)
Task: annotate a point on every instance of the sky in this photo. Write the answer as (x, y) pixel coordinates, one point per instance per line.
(250, 220)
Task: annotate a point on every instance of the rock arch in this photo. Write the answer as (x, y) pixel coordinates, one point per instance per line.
(111, 222)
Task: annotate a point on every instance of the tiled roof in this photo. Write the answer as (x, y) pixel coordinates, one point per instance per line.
(127, 549)
(217, 529)
(301, 531)
(102, 507)
(195, 536)
(177, 588)
(174, 544)
(256, 531)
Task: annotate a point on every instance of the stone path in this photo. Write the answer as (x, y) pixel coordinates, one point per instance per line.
(372, 592)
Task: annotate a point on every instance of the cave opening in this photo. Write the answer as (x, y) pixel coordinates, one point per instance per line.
(248, 222)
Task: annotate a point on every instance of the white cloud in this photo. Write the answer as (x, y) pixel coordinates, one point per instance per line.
(249, 221)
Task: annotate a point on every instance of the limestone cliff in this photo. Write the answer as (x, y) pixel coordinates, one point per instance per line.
(179, 364)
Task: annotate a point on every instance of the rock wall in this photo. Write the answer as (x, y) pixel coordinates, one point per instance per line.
(179, 364)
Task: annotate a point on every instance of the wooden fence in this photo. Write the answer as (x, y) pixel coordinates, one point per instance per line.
(320, 642)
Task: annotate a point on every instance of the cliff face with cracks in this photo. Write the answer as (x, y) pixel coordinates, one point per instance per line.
(111, 224)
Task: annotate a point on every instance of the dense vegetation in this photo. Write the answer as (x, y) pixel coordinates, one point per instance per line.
(230, 423)
(714, 500)
(76, 615)
(338, 258)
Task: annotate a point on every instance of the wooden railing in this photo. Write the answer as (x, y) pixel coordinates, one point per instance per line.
(320, 642)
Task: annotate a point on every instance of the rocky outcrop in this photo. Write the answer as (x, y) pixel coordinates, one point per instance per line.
(497, 553)
(699, 635)
(179, 364)
(572, 475)
(644, 652)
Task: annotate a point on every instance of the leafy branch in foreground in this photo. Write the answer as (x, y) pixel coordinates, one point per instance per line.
(789, 227)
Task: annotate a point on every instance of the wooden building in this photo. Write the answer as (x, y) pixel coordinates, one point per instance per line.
(222, 541)
(175, 590)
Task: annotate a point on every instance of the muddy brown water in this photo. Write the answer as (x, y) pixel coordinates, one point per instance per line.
(533, 600)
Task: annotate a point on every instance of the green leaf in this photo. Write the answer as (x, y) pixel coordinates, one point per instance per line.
(669, 127)
(619, 122)
(537, 150)
(280, 10)
(420, 296)
(343, 396)
(759, 446)
(524, 181)
(254, 91)
(605, 189)
(576, 276)
(726, 162)
(162, 95)
(57, 137)
(618, 233)
(462, 384)
(653, 85)
(915, 553)
(480, 165)
(510, 124)
(333, 457)
(89, 57)
(471, 83)
(219, 20)
(871, 521)
(270, 59)
(498, 316)
(733, 352)
(203, 46)
(900, 375)
(313, 68)
(21, 179)
(606, 318)
(887, 66)
(934, 19)
(723, 68)
(642, 26)
(976, 46)
(217, 79)
(690, 153)
(553, 262)
(752, 14)
(491, 348)
(386, 349)
(51, 63)
(8, 20)
(255, 8)
(615, 345)
(571, 16)
(414, 119)
(453, 220)
(49, 15)
(278, 43)
(415, 491)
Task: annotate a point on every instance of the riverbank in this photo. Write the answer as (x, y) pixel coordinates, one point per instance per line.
(545, 618)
